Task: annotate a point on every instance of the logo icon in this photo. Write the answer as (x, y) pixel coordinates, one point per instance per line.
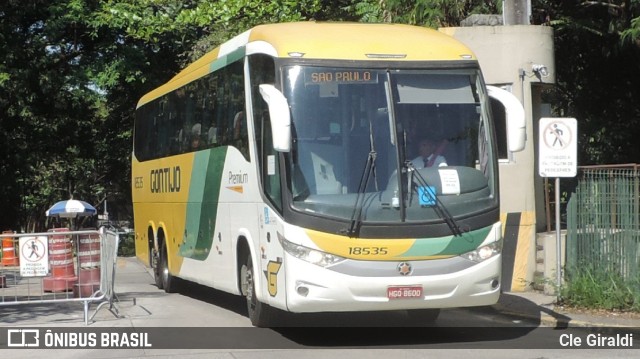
(404, 268)
(23, 338)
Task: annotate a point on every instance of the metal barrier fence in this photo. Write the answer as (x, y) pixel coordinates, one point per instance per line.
(59, 266)
(603, 215)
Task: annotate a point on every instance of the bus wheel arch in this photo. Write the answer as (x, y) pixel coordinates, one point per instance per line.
(260, 314)
(243, 252)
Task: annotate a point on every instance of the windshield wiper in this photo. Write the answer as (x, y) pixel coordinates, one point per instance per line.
(356, 215)
(438, 206)
(369, 168)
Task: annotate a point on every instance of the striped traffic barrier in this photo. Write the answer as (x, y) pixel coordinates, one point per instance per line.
(62, 269)
(9, 257)
(89, 265)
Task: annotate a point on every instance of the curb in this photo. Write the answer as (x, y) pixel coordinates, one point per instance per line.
(550, 320)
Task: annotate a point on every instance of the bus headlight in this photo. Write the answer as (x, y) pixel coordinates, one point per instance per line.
(312, 256)
(485, 252)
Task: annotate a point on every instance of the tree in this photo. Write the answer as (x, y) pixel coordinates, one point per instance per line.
(70, 76)
(71, 72)
(45, 112)
(431, 13)
(598, 67)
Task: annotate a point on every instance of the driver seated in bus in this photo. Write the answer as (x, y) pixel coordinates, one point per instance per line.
(430, 150)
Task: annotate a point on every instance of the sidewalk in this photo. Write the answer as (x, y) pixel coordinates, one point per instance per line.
(537, 306)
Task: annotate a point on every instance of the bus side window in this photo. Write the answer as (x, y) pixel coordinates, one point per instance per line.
(229, 127)
(262, 70)
(240, 137)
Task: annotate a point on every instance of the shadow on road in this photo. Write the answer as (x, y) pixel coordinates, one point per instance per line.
(522, 308)
(377, 329)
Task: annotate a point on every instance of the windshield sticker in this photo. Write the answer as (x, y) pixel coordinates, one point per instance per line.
(450, 181)
(427, 196)
(271, 165)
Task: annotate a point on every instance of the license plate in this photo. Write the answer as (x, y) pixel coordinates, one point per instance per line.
(404, 292)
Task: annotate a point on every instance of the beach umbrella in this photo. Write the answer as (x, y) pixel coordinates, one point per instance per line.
(71, 208)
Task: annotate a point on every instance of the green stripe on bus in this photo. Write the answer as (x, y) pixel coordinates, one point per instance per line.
(449, 245)
(229, 58)
(202, 205)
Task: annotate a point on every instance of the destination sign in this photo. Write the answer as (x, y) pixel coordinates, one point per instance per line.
(340, 76)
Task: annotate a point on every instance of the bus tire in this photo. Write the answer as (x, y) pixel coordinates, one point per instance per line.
(259, 313)
(154, 259)
(166, 279)
(423, 316)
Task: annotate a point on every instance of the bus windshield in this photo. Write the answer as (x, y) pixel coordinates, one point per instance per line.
(391, 145)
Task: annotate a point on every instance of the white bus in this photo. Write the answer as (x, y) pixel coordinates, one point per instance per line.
(283, 167)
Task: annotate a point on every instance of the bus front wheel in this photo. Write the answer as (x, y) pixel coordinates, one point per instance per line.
(259, 313)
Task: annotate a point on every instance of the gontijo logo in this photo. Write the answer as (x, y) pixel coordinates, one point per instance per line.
(165, 180)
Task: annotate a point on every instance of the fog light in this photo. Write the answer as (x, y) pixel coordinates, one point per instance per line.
(494, 284)
(302, 290)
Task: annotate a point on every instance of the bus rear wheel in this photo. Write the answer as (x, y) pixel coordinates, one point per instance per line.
(260, 314)
(166, 279)
(154, 259)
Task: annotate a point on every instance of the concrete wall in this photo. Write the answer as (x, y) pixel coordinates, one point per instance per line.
(507, 56)
(547, 261)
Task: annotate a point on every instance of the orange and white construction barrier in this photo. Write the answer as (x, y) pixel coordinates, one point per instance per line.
(62, 269)
(9, 257)
(89, 265)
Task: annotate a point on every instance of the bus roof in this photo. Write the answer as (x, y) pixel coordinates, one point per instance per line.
(328, 40)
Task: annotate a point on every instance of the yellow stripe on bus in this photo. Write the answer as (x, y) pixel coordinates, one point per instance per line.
(317, 40)
(360, 248)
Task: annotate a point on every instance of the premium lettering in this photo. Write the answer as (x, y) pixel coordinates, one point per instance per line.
(238, 178)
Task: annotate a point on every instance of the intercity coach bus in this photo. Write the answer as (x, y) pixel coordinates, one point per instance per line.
(282, 167)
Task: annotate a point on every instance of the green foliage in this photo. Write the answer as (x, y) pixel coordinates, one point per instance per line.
(70, 76)
(632, 34)
(235, 17)
(367, 11)
(591, 287)
(597, 66)
(127, 247)
(71, 72)
(436, 13)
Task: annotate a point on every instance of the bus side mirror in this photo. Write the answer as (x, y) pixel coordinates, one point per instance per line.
(516, 124)
(279, 115)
